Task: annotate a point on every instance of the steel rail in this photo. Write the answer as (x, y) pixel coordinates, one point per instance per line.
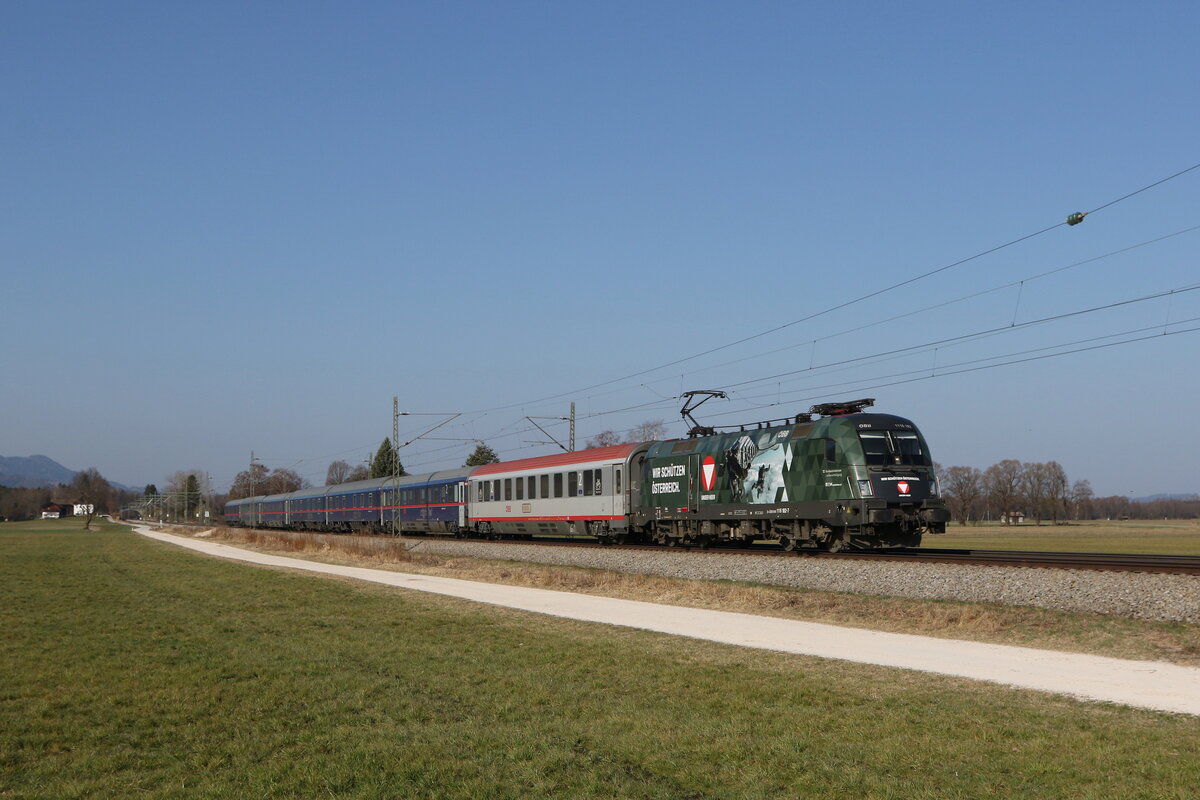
(1112, 562)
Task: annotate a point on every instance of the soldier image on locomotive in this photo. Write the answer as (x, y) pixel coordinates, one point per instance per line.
(845, 479)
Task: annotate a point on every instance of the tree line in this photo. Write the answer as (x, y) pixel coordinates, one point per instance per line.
(87, 488)
(1012, 491)
(258, 480)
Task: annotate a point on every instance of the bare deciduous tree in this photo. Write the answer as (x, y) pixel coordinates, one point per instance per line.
(282, 481)
(963, 489)
(1080, 500)
(1057, 487)
(338, 472)
(648, 431)
(603, 439)
(1002, 482)
(249, 482)
(91, 490)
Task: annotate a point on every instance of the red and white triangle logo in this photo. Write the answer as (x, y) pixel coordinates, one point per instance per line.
(903, 487)
(708, 473)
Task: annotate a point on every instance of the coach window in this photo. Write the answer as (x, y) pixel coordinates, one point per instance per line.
(617, 480)
(572, 484)
(508, 488)
(587, 483)
(545, 492)
(520, 489)
(830, 450)
(531, 490)
(558, 484)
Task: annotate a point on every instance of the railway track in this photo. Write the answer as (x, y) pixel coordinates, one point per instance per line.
(1111, 562)
(1114, 562)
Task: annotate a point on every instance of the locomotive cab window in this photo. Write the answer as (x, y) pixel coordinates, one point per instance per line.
(883, 448)
(908, 444)
(830, 450)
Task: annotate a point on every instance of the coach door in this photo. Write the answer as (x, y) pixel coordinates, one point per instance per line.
(603, 490)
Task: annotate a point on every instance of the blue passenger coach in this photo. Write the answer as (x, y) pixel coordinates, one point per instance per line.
(430, 503)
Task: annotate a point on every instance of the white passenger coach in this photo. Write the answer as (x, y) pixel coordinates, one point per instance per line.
(584, 493)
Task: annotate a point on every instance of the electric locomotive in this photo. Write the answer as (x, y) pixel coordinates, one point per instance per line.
(847, 480)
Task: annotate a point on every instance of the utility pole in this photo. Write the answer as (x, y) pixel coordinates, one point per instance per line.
(395, 466)
(570, 448)
(396, 445)
(253, 514)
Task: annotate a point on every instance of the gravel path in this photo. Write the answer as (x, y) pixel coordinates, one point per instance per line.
(1174, 598)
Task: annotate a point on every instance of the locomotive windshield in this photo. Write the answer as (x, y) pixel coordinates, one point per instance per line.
(884, 448)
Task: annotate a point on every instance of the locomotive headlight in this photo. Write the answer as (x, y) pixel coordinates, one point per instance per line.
(933, 488)
(864, 488)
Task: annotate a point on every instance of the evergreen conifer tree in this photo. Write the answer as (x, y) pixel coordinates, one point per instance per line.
(386, 463)
(482, 454)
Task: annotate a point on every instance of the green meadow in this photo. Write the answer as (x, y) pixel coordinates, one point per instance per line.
(1159, 537)
(131, 668)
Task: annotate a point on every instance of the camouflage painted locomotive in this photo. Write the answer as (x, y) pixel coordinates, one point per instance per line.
(847, 480)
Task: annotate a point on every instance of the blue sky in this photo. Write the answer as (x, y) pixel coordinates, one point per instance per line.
(234, 227)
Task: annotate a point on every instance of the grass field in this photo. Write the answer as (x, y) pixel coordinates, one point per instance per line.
(1096, 634)
(1162, 537)
(135, 669)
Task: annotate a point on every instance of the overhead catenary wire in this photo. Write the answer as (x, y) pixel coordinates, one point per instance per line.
(511, 429)
(845, 304)
(883, 356)
(974, 365)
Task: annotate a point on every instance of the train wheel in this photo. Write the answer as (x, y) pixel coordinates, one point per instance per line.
(832, 542)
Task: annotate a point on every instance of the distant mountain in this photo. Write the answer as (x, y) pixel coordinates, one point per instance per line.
(1154, 497)
(33, 471)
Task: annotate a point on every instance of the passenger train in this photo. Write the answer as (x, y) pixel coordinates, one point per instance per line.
(844, 480)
